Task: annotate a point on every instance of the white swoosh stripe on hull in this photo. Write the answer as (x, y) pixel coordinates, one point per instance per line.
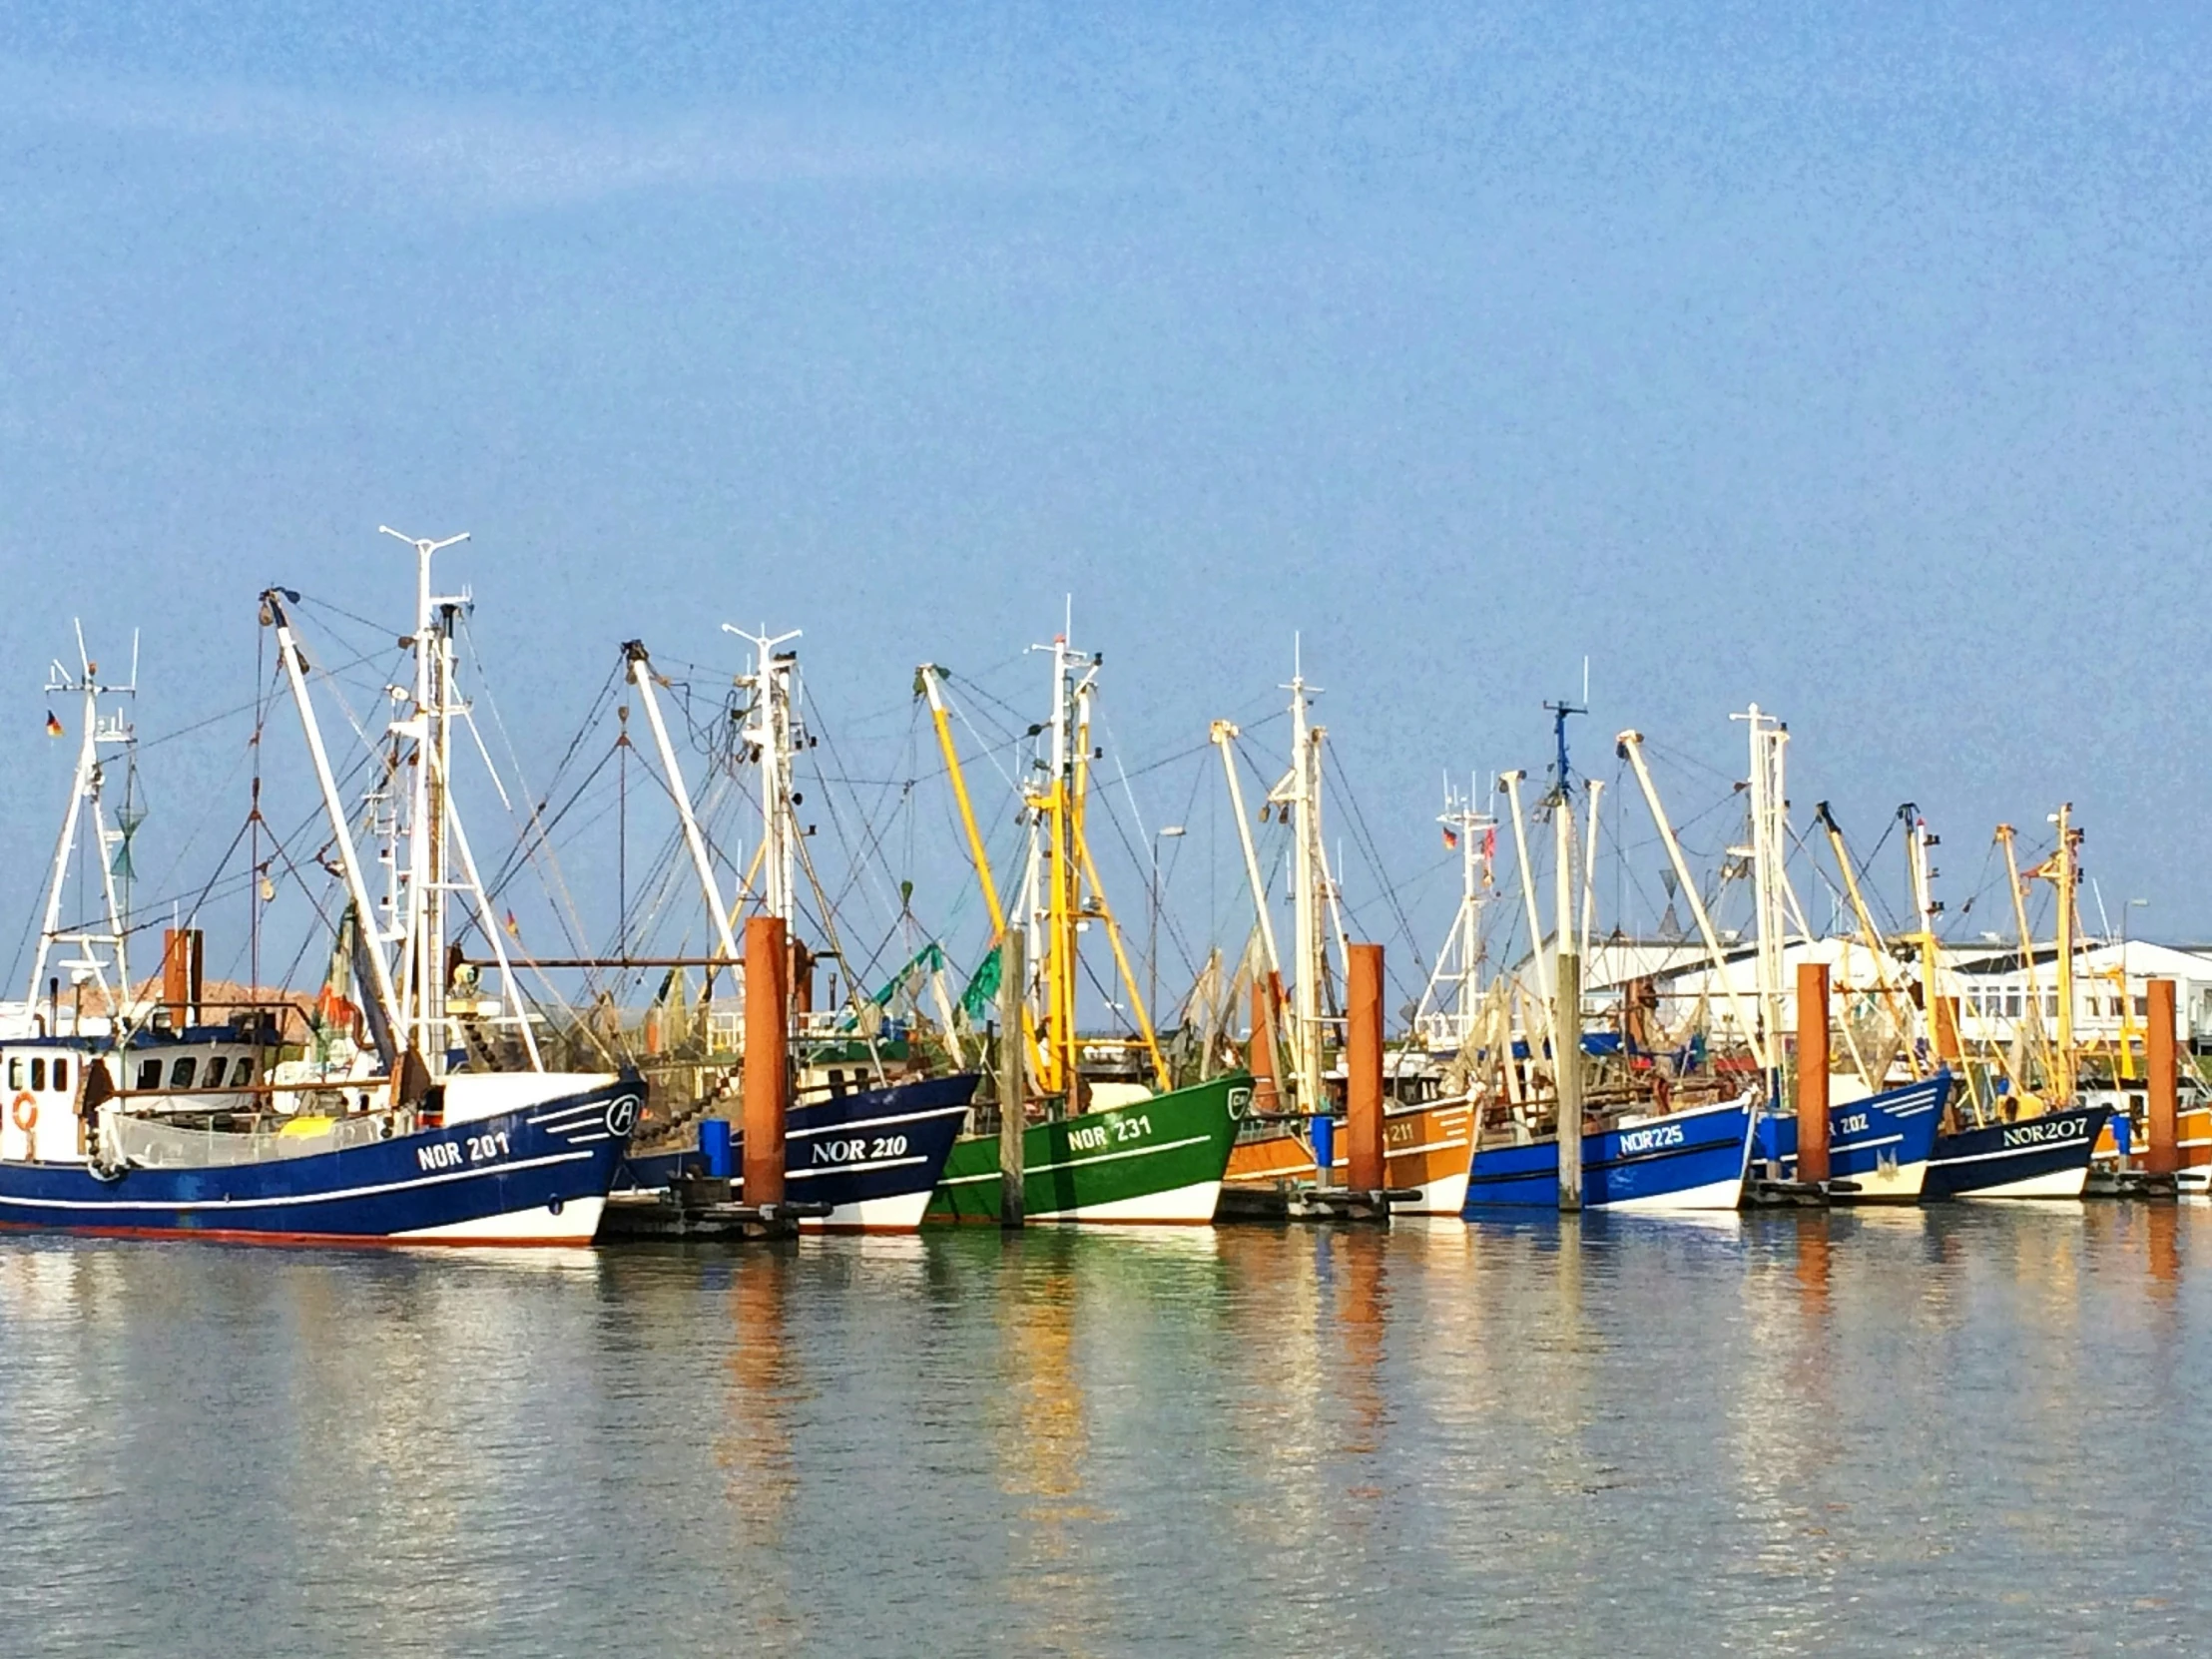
(220, 1205)
(1078, 1163)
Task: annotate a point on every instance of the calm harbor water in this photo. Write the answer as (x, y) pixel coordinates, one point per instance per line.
(1922, 1432)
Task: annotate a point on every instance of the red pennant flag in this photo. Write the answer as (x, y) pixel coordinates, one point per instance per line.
(53, 726)
(1451, 842)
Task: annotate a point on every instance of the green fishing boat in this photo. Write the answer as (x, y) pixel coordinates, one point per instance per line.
(1156, 1161)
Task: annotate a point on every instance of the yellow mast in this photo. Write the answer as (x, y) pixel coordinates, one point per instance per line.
(1916, 842)
(2034, 995)
(1074, 894)
(2063, 860)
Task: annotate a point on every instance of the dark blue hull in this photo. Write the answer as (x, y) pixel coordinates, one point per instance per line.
(873, 1156)
(2045, 1157)
(538, 1175)
(1686, 1161)
(1877, 1147)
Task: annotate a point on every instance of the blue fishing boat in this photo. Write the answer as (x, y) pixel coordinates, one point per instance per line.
(1877, 1147)
(2040, 1157)
(505, 1159)
(873, 1155)
(124, 1113)
(1688, 1159)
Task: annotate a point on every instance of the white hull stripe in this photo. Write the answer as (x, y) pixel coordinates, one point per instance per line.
(1078, 1163)
(1865, 1146)
(1456, 1144)
(2007, 1152)
(852, 1125)
(855, 1169)
(587, 1109)
(276, 1203)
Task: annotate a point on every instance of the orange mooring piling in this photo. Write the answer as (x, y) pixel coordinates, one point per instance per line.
(1265, 998)
(2164, 1154)
(767, 1057)
(1364, 1070)
(1812, 1071)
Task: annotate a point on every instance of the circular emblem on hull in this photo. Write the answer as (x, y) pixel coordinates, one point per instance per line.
(622, 1114)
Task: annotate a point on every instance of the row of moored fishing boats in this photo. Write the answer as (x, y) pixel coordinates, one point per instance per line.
(441, 1083)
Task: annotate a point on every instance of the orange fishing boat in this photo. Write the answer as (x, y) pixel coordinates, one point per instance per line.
(1427, 1147)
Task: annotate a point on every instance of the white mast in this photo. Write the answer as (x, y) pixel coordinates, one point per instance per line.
(372, 941)
(86, 786)
(1769, 806)
(1224, 736)
(429, 725)
(641, 675)
(770, 728)
(1301, 792)
(1461, 957)
(1595, 787)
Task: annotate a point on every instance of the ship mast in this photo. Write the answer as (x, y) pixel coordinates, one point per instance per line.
(1472, 832)
(373, 939)
(429, 725)
(718, 920)
(86, 786)
(2063, 860)
(770, 730)
(1300, 791)
(1769, 804)
(1927, 907)
(1060, 865)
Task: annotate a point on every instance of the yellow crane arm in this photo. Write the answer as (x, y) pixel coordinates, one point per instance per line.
(941, 718)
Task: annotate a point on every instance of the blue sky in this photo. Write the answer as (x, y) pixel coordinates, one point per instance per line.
(1853, 360)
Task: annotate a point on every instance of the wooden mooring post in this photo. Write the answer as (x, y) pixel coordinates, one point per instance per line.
(1566, 1063)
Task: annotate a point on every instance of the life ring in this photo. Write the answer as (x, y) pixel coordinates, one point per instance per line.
(25, 1112)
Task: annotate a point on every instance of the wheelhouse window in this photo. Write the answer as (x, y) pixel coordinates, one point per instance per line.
(60, 1074)
(180, 1072)
(242, 1071)
(150, 1074)
(15, 1071)
(38, 1073)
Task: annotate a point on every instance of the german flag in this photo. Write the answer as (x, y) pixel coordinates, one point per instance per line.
(53, 724)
